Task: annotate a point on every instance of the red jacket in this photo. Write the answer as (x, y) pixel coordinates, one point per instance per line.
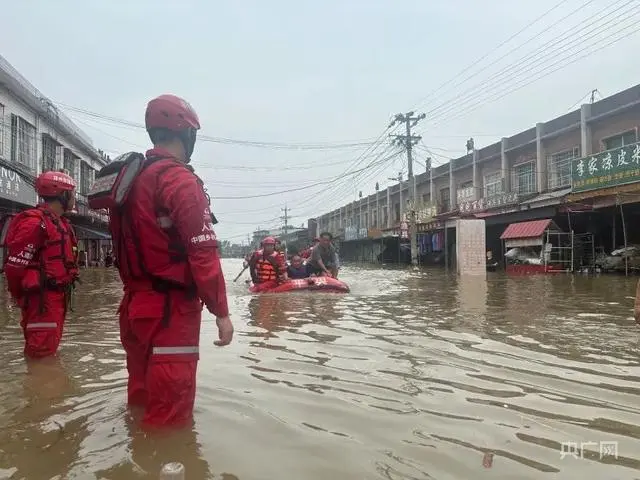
(41, 252)
(173, 225)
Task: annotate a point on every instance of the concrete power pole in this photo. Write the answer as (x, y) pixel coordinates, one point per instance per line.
(408, 141)
(285, 218)
(377, 206)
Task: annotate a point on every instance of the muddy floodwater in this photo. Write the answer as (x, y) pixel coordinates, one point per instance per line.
(414, 375)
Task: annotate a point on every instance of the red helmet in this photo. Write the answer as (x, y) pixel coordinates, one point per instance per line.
(168, 112)
(268, 241)
(172, 113)
(54, 184)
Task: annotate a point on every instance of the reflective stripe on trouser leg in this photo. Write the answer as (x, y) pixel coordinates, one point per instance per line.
(185, 350)
(42, 325)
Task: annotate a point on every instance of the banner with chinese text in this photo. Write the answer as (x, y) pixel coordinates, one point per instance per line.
(607, 169)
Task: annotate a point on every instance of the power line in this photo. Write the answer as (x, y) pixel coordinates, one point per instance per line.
(466, 69)
(232, 141)
(543, 53)
(563, 62)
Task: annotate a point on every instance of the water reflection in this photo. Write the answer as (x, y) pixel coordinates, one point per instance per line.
(34, 424)
(413, 374)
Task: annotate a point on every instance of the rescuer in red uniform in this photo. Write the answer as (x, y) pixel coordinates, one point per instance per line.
(305, 254)
(266, 265)
(168, 260)
(40, 263)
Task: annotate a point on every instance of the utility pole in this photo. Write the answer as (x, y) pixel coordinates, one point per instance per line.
(285, 217)
(410, 120)
(399, 180)
(378, 206)
(360, 222)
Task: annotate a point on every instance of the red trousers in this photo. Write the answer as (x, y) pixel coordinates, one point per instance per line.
(42, 322)
(160, 333)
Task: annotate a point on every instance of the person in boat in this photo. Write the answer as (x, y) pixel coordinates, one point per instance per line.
(266, 266)
(297, 269)
(280, 251)
(306, 253)
(324, 257)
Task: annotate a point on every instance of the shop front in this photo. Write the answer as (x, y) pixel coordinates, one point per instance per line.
(17, 190)
(605, 200)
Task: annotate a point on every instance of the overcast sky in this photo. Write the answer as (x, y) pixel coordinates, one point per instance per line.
(328, 73)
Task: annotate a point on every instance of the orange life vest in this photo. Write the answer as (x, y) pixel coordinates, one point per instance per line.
(267, 267)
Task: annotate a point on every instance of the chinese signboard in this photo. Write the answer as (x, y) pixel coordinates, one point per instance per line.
(424, 212)
(434, 225)
(14, 188)
(486, 203)
(607, 169)
(353, 233)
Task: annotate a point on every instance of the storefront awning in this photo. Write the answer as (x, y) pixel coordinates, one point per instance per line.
(549, 198)
(85, 233)
(532, 229)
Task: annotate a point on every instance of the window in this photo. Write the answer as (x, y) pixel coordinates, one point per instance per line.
(85, 177)
(617, 141)
(374, 218)
(493, 184)
(69, 163)
(23, 142)
(397, 211)
(465, 192)
(445, 197)
(559, 168)
(524, 178)
(48, 153)
(385, 216)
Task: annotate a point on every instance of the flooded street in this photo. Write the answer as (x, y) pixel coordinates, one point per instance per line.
(411, 376)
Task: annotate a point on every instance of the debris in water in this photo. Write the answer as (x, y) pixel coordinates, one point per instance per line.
(487, 460)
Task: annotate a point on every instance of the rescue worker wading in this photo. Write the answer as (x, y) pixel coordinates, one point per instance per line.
(168, 260)
(40, 263)
(266, 266)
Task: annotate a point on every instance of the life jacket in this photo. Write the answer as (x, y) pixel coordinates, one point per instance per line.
(52, 266)
(267, 267)
(147, 247)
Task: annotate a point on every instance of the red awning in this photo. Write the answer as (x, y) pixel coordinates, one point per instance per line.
(532, 229)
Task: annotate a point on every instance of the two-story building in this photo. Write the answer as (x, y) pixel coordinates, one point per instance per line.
(527, 176)
(35, 136)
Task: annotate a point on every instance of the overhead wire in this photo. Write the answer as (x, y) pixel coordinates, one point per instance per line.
(541, 54)
(561, 63)
(486, 55)
(225, 140)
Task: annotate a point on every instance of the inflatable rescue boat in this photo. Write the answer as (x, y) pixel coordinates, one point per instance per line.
(321, 284)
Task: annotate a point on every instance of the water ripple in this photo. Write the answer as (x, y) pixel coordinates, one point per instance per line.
(413, 375)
